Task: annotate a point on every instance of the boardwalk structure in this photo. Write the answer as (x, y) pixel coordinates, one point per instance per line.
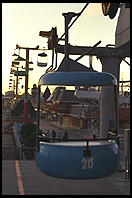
(23, 177)
(33, 182)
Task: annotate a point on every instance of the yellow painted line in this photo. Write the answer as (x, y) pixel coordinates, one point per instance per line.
(19, 178)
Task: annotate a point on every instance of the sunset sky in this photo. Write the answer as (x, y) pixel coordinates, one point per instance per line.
(22, 22)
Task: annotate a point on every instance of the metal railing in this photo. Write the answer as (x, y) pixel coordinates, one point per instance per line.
(87, 151)
(9, 153)
(27, 153)
(127, 152)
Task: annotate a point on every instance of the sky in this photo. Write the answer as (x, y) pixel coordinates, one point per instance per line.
(22, 22)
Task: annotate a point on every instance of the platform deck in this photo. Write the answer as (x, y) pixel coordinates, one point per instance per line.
(37, 183)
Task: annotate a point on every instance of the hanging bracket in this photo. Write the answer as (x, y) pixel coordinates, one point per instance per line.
(87, 152)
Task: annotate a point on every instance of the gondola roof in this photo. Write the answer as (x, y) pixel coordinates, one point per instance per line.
(78, 79)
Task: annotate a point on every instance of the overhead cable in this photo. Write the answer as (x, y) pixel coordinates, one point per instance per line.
(74, 20)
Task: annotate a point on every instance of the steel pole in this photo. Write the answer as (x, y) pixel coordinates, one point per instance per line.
(110, 64)
(38, 117)
(66, 50)
(27, 68)
(26, 88)
(17, 85)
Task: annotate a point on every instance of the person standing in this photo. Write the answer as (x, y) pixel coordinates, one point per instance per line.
(47, 134)
(53, 134)
(65, 135)
(59, 135)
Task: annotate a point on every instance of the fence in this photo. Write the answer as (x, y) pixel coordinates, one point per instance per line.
(127, 152)
(9, 153)
(27, 153)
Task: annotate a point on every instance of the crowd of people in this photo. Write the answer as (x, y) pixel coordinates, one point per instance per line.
(56, 135)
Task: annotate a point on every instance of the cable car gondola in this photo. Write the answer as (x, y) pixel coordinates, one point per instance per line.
(77, 158)
(40, 64)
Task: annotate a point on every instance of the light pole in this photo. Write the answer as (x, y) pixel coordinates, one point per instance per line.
(17, 84)
(26, 79)
(16, 74)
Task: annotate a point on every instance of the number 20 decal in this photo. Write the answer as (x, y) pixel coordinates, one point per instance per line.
(87, 163)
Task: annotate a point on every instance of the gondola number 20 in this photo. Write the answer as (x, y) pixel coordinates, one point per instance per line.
(87, 163)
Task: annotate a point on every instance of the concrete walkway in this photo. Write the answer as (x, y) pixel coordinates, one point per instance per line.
(37, 183)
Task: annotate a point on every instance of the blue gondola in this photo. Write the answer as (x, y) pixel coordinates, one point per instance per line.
(77, 159)
(67, 160)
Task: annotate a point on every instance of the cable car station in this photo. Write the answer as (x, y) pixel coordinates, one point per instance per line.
(87, 165)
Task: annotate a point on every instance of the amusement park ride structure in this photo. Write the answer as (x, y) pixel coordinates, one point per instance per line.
(83, 158)
(26, 73)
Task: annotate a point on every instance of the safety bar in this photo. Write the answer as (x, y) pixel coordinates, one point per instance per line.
(45, 139)
(86, 152)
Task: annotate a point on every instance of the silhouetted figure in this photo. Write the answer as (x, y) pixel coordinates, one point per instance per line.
(53, 134)
(47, 134)
(65, 135)
(59, 135)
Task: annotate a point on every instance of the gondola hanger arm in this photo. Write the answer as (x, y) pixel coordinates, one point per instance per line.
(88, 51)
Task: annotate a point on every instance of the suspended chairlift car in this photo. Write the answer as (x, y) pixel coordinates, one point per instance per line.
(78, 158)
(41, 64)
